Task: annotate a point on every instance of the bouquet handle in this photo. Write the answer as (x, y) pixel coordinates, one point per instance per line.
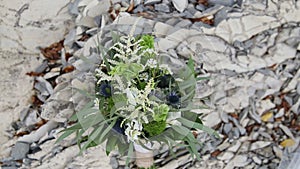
(144, 157)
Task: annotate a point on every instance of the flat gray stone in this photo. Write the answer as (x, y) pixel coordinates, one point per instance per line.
(20, 150)
(221, 2)
(151, 2)
(162, 8)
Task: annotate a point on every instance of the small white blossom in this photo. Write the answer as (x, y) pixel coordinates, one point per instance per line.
(133, 130)
(152, 63)
(96, 102)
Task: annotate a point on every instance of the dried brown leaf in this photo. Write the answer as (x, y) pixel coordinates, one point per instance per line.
(34, 74)
(131, 6)
(53, 51)
(68, 69)
(216, 153)
(203, 2)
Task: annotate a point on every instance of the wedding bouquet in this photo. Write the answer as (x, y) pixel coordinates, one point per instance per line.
(139, 100)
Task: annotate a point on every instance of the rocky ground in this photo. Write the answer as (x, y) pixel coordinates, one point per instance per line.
(250, 50)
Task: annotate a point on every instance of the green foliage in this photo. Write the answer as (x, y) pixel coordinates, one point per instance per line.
(147, 42)
(135, 96)
(128, 70)
(154, 128)
(161, 112)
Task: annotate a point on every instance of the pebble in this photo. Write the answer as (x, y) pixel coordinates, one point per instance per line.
(224, 145)
(200, 7)
(180, 5)
(259, 144)
(235, 147)
(257, 160)
(240, 160)
(221, 2)
(280, 113)
(151, 2)
(20, 150)
(114, 163)
(286, 130)
(227, 128)
(225, 156)
(162, 8)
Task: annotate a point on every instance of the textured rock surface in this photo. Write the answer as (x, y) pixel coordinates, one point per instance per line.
(25, 26)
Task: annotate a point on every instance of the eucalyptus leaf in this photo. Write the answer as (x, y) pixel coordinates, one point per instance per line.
(64, 135)
(84, 93)
(91, 138)
(199, 126)
(130, 153)
(111, 144)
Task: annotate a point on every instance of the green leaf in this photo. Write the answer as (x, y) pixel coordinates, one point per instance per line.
(64, 135)
(122, 145)
(85, 93)
(147, 42)
(73, 117)
(75, 127)
(111, 144)
(115, 36)
(199, 126)
(91, 138)
(161, 112)
(191, 65)
(192, 116)
(104, 133)
(192, 146)
(181, 130)
(130, 153)
(79, 137)
(202, 78)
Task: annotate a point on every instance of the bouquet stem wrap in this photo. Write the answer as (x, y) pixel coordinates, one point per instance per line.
(144, 157)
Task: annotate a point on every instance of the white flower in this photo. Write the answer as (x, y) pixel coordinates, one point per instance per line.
(133, 130)
(151, 63)
(96, 102)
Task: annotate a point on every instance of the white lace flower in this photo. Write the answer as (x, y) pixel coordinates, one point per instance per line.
(152, 63)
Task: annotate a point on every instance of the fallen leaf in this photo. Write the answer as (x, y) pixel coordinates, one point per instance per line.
(131, 6)
(206, 19)
(68, 56)
(287, 143)
(40, 123)
(267, 116)
(249, 128)
(68, 69)
(34, 74)
(35, 101)
(203, 2)
(216, 153)
(22, 133)
(195, 134)
(53, 51)
(145, 15)
(295, 127)
(84, 37)
(234, 115)
(273, 67)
